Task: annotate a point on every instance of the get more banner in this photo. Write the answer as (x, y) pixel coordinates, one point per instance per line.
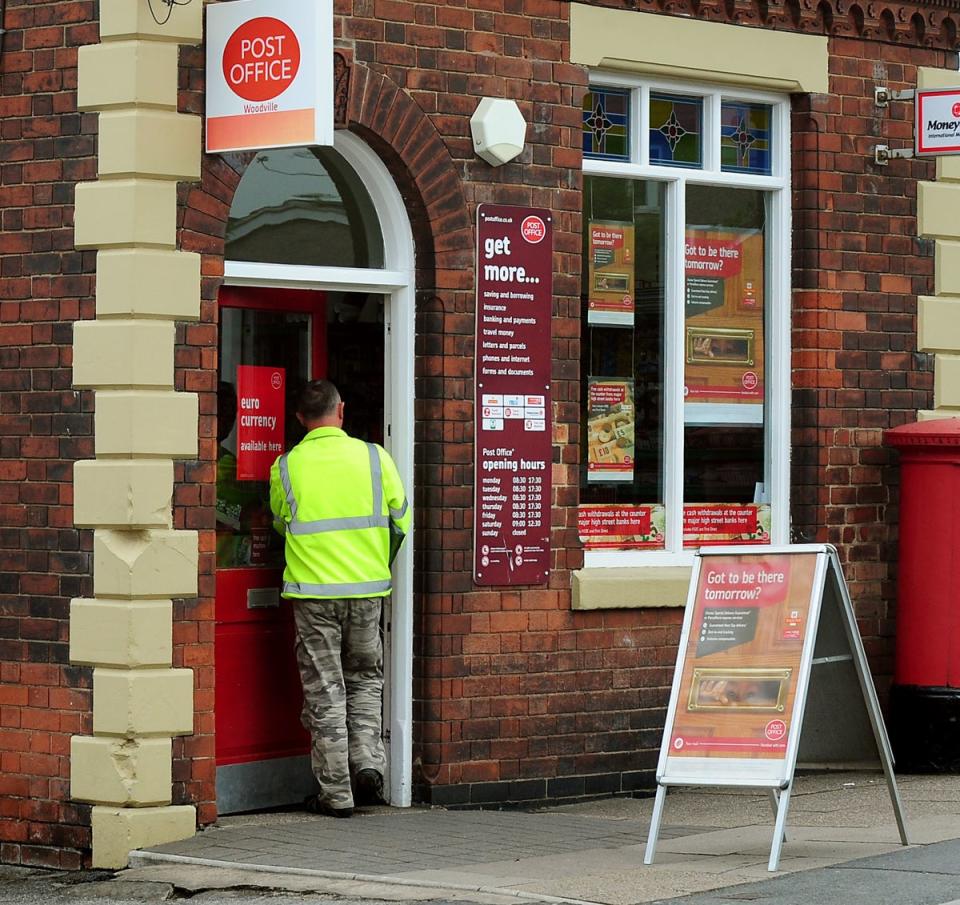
(742, 659)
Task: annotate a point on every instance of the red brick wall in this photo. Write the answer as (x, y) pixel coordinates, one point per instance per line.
(45, 285)
(858, 269)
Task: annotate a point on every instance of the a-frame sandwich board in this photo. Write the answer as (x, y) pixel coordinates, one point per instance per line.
(771, 675)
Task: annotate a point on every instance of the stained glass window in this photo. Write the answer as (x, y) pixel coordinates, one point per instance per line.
(676, 133)
(745, 138)
(606, 124)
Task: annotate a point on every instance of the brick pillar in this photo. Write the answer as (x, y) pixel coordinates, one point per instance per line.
(125, 494)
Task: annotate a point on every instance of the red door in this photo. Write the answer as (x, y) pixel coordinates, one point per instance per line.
(271, 341)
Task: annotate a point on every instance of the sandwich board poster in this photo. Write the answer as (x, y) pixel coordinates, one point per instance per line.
(738, 686)
(769, 647)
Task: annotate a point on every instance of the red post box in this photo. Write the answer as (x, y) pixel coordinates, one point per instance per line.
(925, 698)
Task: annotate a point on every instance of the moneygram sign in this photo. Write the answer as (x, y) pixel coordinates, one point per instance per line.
(938, 121)
(269, 74)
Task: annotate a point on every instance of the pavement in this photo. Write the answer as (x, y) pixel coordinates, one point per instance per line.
(713, 847)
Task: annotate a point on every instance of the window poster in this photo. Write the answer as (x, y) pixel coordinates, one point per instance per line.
(610, 274)
(610, 429)
(705, 524)
(723, 342)
(621, 526)
(261, 405)
(742, 658)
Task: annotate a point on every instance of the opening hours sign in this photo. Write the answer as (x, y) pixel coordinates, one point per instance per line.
(513, 459)
(269, 74)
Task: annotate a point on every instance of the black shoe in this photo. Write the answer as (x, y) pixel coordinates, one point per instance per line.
(368, 788)
(314, 805)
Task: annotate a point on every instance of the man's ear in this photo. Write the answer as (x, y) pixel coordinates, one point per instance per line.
(300, 419)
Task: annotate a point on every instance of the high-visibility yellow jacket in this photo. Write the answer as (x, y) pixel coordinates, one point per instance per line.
(336, 499)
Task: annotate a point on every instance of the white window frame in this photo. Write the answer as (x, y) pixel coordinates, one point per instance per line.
(777, 298)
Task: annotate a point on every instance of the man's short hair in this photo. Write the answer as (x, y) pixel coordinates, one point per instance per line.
(318, 399)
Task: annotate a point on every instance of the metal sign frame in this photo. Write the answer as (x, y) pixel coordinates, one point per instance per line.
(831, 645)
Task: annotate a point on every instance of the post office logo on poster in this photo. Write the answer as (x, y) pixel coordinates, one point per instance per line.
(261, 59)
(533, 230)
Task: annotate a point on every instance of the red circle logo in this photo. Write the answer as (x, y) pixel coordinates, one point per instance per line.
(276, 380)
(775, 730)
(261, 59)
(955, 110)
(533, 229)
(749, 380)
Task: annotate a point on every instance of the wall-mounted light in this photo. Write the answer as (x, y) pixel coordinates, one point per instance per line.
(498, 130)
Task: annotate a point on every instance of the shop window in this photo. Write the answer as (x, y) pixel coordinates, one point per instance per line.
(685, 352)
(303, 206)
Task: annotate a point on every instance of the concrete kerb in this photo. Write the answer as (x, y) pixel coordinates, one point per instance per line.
(145, 859)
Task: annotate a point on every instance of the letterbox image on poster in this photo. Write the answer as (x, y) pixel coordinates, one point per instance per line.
(610, 429)
(723, 339)
(610, 273)
(742, 660)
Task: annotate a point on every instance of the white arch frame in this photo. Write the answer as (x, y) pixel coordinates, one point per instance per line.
(396, 281)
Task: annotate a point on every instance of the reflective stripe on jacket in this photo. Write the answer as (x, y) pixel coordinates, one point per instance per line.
(336, 499)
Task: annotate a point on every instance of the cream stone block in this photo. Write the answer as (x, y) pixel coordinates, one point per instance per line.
(121, 633)
(147, 282)
(948, 169)
(928, 78)
(118, 353)
(155, 143)
(946, 381)
(121, 772)
(142, 702)
(677, 47)
(937, 204)
(938, 324)
(125, 212)
(119, 831)
(628, 587)
(123, 19)
(931, 415)
(145, 563)
(142, 423)
(947, 267)
(127, 74)
(122, 493)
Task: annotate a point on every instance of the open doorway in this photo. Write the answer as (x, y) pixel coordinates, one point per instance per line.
(334, 310)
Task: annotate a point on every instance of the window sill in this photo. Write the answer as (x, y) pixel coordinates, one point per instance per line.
(633, 587)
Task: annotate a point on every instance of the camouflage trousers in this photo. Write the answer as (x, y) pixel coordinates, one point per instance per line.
(340, 657)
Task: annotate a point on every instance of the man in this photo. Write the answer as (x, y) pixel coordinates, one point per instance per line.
(340, 504)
